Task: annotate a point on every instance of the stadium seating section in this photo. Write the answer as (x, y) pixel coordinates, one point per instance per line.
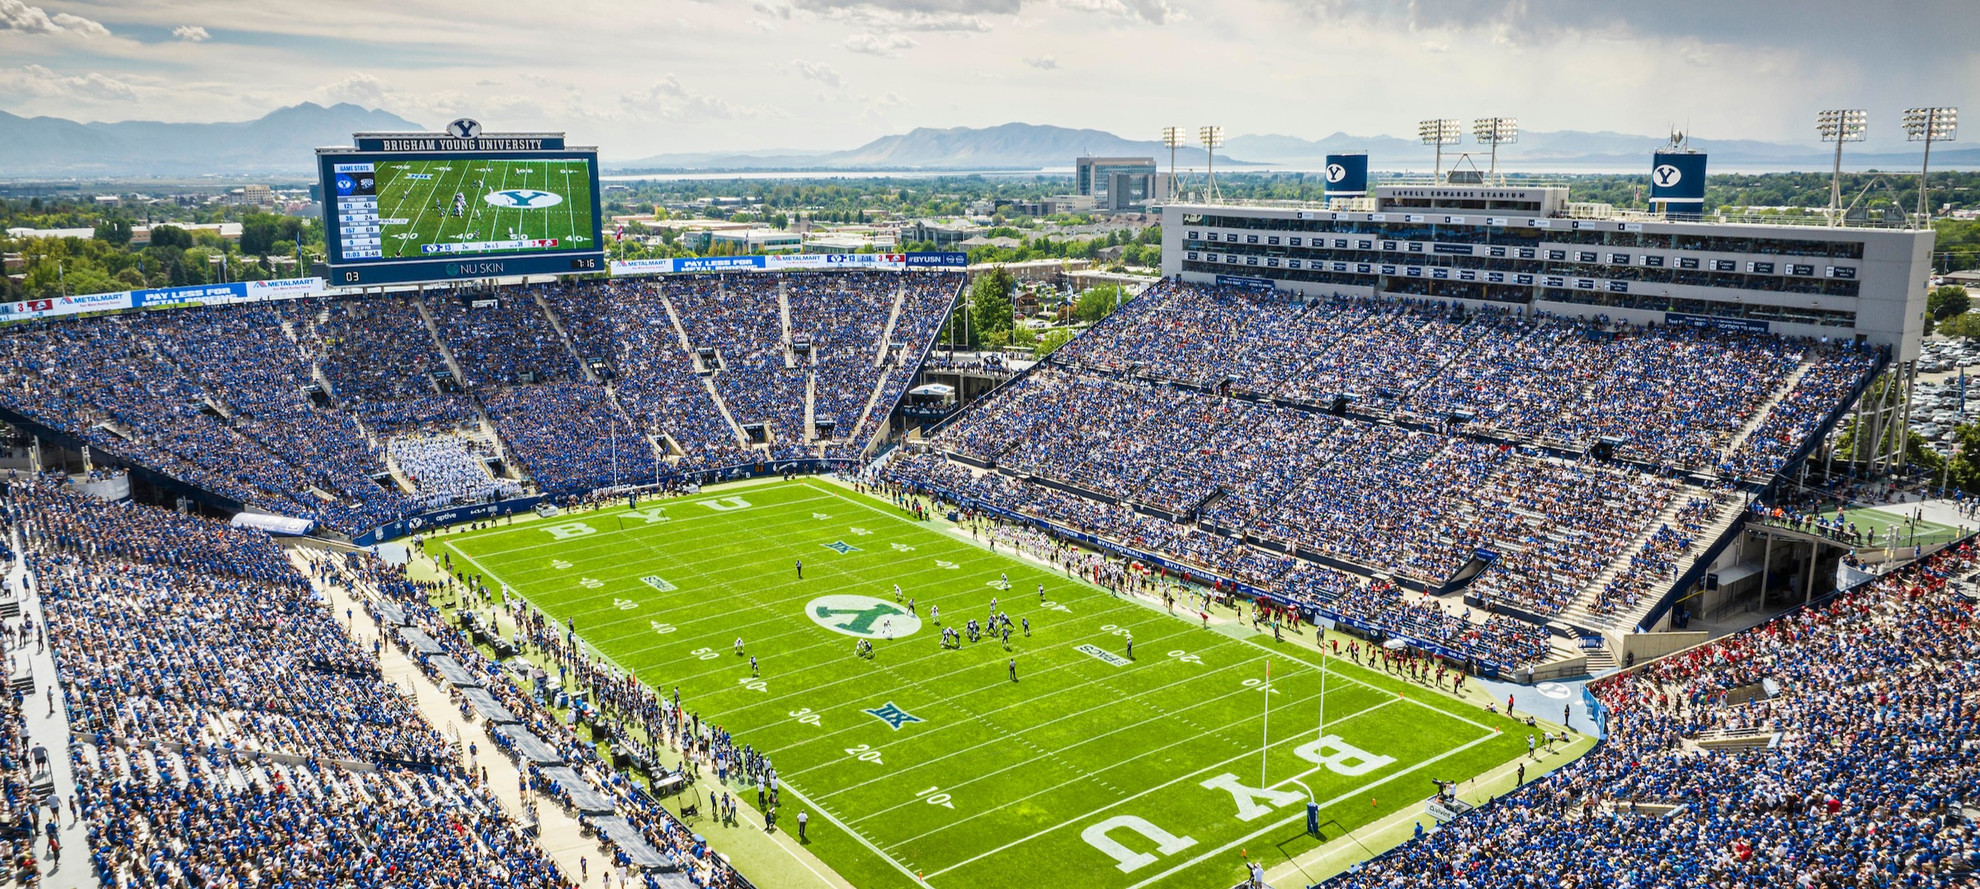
(329, 409)
(1551, 467)
(1830, 747)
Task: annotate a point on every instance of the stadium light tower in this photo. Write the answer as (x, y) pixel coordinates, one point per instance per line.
(1172, 137)
(1495, 131)
(1439, 133)
(1929, 125)
(1212, 139)
(1839, 125)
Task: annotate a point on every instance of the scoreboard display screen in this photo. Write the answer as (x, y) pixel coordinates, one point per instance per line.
(398, 217)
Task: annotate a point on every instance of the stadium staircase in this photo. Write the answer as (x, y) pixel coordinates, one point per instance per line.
(440, 343)
(1578, 614)
(1767, 409)
(707, 380)
(784, 318)
(564, 336)
(887, 335)
(810, 404)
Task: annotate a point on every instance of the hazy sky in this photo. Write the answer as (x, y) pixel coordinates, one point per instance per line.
(639, 78)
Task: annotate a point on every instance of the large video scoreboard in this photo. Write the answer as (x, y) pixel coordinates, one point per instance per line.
(405, 207)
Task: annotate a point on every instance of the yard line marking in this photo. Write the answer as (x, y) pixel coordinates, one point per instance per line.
(1295, 655)
(1017, 735)
(1253, 751)
(1302, 815)
(803, 801)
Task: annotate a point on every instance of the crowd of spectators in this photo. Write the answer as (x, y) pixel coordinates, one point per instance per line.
(1673, 396)
(597, 694)
(741, 317)
(372, 351)
(1655, 564)
(228, 731)
(1862, 715)
(1555, 526)
(291, 407)
(501, 338)
(111, 383)
(1822, 390)
(179, 629)
(843, 317)
(571, 437)
(628, 325)
(448, 468)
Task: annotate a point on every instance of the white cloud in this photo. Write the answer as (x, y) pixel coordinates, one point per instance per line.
(359, 89)
(818, 71)
(16, 15)
(1154, 12)
(669, 99)
(1042, 63)
(876, 45)
(40, 82)
(191, 33)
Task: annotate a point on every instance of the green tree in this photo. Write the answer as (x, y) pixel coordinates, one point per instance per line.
(990, 307)
(259, 231)
(1948, 301)
(1098, 302)
(1050, 342)
(1967, 325)
(171, 236)
(115, 231)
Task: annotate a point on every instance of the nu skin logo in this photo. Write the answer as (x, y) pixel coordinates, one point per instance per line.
(523, 199)
(1666, 175)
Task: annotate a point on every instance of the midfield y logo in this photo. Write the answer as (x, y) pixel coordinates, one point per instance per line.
(523, 199)
(863, 616)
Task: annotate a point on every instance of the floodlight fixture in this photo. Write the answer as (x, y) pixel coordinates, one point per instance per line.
(1439, 132)
(1929, 125)
(1839, 125)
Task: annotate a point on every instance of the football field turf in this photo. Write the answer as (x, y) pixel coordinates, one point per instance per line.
(923, 763)
(511, 206)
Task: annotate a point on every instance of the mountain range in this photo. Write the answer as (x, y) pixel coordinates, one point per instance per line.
(282, 142)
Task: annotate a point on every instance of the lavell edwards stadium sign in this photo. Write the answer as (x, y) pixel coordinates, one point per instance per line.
(125, 300)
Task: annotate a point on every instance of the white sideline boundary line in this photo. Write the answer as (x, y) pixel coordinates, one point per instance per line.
(1280, 824)
(1173, 781)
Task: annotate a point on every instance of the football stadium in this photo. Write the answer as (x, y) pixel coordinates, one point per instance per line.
(1430, 534)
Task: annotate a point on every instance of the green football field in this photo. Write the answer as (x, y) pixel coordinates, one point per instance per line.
(508, 206)
(1090, 771)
